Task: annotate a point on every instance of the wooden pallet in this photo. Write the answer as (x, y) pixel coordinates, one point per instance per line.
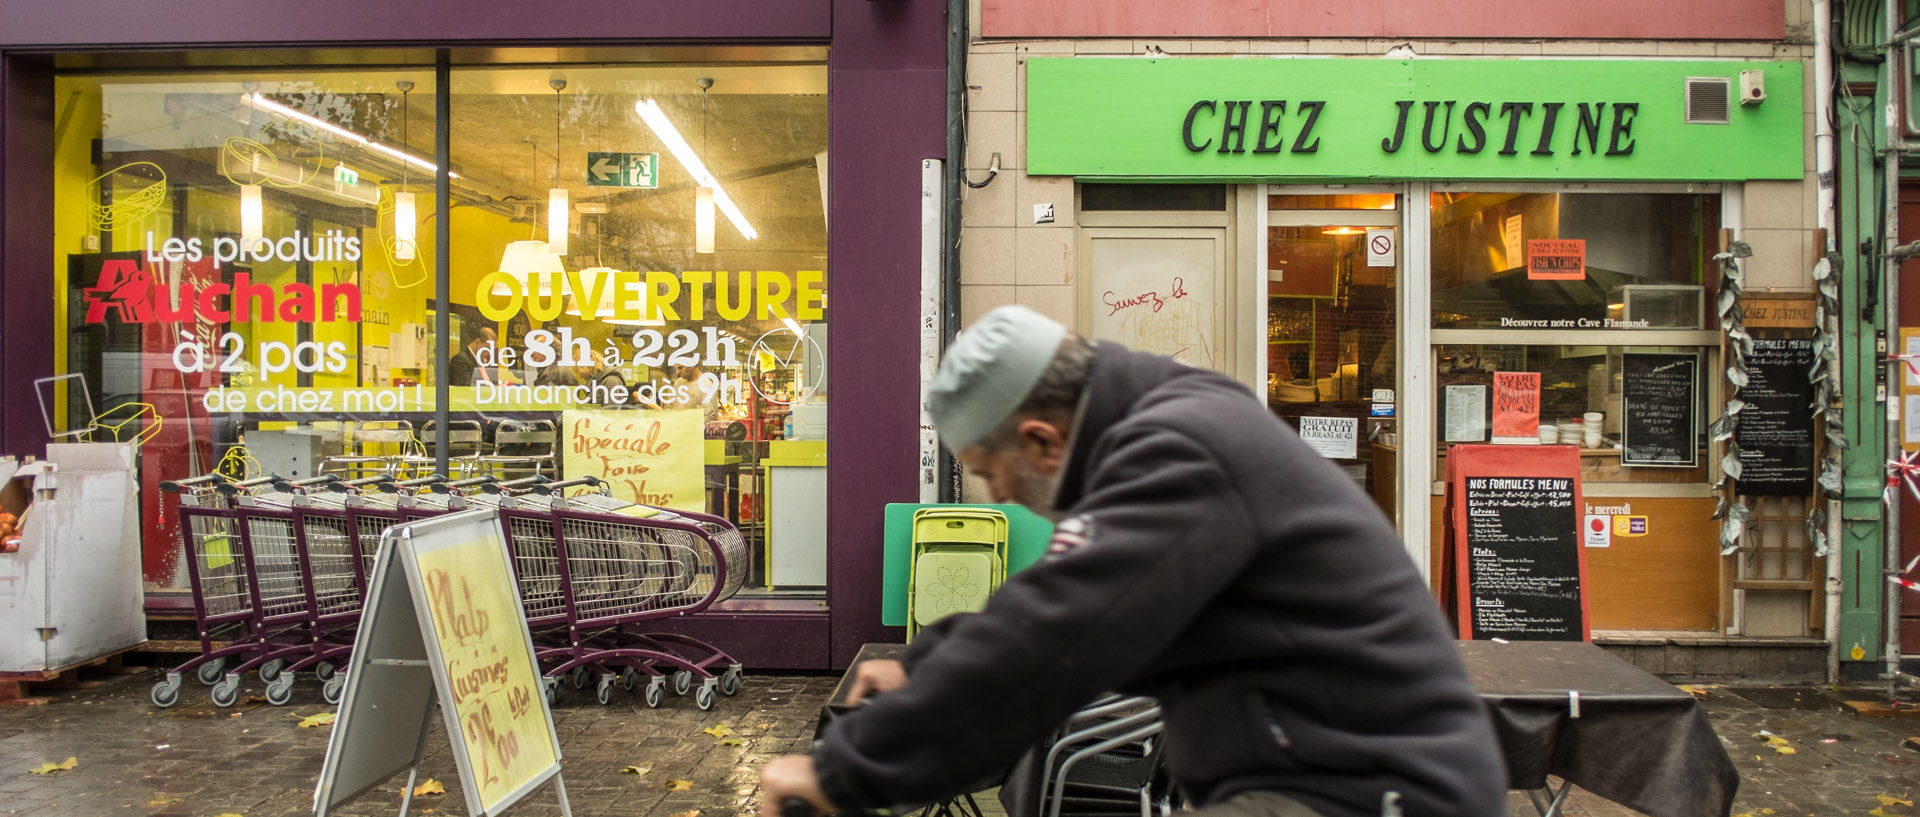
(15, 689)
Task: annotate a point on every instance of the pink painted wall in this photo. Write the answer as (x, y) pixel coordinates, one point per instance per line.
(1523, 19)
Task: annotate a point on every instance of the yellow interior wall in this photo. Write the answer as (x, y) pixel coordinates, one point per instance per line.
(78, 117)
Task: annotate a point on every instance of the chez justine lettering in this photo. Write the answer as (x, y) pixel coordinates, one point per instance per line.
(1539, 129)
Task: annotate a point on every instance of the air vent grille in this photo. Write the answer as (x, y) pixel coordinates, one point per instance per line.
(1707, 100)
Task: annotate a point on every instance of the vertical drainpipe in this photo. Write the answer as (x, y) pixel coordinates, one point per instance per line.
(1890, 378)
(956, 165)
(1823, 158)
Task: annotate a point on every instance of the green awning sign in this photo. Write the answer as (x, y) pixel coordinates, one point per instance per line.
(623, 169)
(1226, 119)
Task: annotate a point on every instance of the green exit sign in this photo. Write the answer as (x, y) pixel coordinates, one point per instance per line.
(623, 169)
(346, 176)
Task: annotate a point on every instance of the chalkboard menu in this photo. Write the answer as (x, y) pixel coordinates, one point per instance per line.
(1658, 420)
(1776, 430)
(1516, 543)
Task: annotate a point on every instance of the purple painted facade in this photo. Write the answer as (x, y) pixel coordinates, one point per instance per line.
(886, 73)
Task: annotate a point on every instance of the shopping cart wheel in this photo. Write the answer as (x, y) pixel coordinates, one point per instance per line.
(227, 692)
(656, 689)
(682, 682)
(280, 689)
(730, 682)
(167, 693)
(629, 678)
(271, 669)
(605, 692)
(579, 677)
(703, 698)
(330, 691)
(323, 671)
(211, 672)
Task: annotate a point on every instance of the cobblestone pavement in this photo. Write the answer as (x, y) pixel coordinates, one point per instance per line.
(196, 760)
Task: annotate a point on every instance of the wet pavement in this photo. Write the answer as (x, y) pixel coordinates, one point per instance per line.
(256, 760)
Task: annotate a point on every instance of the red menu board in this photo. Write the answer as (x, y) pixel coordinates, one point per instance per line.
(1514, 553)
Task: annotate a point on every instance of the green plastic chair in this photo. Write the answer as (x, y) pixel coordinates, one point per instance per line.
(959, 558)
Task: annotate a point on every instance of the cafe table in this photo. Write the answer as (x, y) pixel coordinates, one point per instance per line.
(1571, 710)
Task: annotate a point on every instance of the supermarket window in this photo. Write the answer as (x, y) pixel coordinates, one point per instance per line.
(653, 268)
(246, 261)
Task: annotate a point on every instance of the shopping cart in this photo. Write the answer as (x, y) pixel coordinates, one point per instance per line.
(224, 590)
(591, 566)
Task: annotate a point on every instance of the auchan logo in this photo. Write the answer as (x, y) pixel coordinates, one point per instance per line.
(130, 293)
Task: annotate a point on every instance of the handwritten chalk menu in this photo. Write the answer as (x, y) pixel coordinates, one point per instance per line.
(443, 621)
(1659, 424)
(1518, 561)
(1776, 429)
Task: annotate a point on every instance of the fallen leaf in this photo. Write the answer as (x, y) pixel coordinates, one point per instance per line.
(1777, 743)
(55, 768)
(321, 719)
(636, 770)
(693, 813)
(432, 786)
(230, 814)
(1878, 813)
(1890, 800)
(727, 742)
(162, 800)
(1698, 690)
(720, 731)
(1766, 811)
(679, 785)
(762, 726)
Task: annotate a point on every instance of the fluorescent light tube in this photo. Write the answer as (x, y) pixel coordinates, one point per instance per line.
(662, 127)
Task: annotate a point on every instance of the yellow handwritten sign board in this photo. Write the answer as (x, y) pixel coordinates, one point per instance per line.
(476, 621)
(650, 457)
(443, 622)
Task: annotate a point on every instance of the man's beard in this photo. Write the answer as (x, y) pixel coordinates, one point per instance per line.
(1034, 489)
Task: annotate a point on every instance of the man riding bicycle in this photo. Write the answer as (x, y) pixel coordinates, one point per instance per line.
(1202, 555)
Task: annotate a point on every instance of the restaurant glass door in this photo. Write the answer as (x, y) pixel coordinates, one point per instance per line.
(1332, 276)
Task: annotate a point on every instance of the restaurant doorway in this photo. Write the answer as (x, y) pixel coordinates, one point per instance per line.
(1332, 278)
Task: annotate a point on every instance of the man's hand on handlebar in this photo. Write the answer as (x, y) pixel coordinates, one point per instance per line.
(790, 778)
(876, 676)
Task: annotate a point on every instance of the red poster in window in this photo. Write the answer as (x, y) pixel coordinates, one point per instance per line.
(1557, 259)
(1516, 404)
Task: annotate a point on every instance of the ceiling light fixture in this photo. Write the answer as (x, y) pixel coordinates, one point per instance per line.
(404, 219)
(265, 104)
(1342, 231)
(557, 225)
(252, 215)
(526, 260)
(656, 119)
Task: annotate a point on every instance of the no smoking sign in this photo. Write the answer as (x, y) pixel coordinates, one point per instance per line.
(1380, 247)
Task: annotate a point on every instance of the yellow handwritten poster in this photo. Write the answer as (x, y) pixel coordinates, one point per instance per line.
(482, 639)
(651, 457)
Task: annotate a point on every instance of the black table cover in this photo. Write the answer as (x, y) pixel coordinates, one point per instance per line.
(1637, 741)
